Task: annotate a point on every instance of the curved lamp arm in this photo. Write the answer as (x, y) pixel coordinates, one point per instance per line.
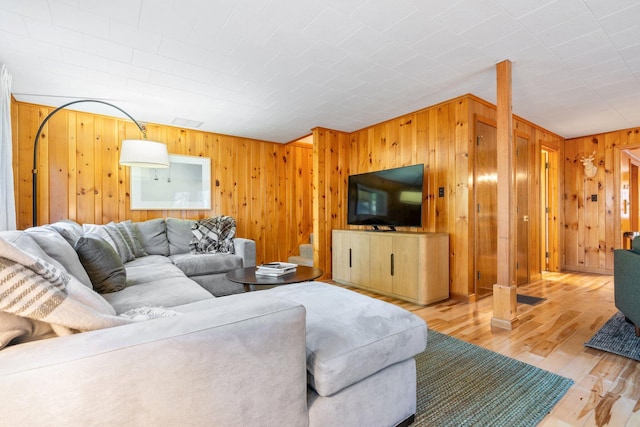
(35, 146)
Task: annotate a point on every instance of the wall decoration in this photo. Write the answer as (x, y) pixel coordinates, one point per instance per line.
(185, 184)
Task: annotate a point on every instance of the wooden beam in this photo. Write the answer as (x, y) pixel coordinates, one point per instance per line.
(504, 291)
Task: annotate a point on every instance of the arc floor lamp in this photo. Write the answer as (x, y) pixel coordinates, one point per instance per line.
(134, 152)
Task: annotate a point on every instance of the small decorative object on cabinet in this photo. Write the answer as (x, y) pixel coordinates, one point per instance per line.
(409, 266)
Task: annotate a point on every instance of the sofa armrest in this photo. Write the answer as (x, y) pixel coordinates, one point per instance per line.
(238, 360)
(246, 248)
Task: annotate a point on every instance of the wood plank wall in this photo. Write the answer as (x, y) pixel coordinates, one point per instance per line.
(593, 229)
(440, 137)
(265, 186)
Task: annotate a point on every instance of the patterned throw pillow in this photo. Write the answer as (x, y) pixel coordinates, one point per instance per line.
(213, 235)
(127, 228)
(112, 235)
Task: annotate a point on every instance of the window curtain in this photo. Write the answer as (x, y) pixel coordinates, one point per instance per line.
(7, 198)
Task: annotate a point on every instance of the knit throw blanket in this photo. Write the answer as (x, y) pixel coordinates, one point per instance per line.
(33, 288)
(213, 235)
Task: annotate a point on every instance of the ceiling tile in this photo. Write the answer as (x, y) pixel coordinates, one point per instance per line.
(132, 36)
(467, 14)
(375, 15)
(78, 20)
(163, 18)
(553, 14)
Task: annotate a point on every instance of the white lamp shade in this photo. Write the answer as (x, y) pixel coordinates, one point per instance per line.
(144, 154)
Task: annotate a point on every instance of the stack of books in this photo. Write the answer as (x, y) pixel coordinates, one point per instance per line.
(275, 269)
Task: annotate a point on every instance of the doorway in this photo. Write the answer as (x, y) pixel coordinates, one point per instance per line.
(522, 209)
(486, 215)
(549, 209)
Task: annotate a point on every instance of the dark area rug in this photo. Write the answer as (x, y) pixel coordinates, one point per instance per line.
(529, 300)
(617, 337)
(461, 384)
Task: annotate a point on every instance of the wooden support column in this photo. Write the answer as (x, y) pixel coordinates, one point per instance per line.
(504, 292)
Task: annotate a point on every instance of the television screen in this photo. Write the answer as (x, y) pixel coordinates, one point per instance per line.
(390, 197)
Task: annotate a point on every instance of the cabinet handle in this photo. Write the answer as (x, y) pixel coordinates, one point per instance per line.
(392, 265)
(349, 257)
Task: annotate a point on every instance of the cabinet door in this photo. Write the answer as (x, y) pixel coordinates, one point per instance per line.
(340, 247)
(405, 266)
(381, 250)
(359, 243)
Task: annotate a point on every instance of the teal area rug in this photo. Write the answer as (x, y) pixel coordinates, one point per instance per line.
(617, 337)
(461, 384)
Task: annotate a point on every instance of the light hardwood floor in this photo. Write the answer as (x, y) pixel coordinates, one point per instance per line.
(551, 335)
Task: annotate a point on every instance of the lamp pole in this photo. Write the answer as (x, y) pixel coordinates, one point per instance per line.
(34, 194)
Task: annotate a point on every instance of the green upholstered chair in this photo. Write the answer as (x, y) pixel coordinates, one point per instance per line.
(626, 277)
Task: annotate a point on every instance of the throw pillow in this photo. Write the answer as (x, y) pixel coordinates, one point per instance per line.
(213, 235)
(113, 236)
(103, 265)
(126, 229)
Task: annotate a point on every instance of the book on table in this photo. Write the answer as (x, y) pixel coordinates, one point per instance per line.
(276, 268)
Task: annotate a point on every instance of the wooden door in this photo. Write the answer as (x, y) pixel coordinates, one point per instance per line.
(522, 210)
(340, 247)
(405, 266)
(360, 258)
(380, 267)
(486, 219)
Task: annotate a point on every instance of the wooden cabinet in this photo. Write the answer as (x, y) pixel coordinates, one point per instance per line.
(409, 266)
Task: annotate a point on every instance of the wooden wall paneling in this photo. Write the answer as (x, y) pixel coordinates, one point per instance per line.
(57, 136)
(110, 158)
(123, 177)
(90, 159)
(97, 169)
(344, 170)
(86, 160)
(616, 142)
(599, 244)
(440, 170)
(321, 229)
(15, 150)
(426, 153)
(461, 264)
(256, 197)
(607, 235)
(408, 151)
(286, 198)
(572, 199)
(43, 168)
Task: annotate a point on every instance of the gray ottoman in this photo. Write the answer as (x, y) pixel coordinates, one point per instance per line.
(360, 366)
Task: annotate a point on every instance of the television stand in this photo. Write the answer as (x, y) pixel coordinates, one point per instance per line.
(377, 228)
(409, 266)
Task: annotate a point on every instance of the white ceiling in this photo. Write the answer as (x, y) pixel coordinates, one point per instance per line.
(274, 69)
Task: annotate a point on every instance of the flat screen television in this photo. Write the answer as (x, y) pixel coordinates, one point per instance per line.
(390, 197)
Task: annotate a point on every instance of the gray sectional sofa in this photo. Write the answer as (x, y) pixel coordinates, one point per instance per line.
(304, 354)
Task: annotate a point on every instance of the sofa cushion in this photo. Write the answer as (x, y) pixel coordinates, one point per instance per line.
(148, 272)
(103, 265)
(59, 249)
(110, 233)
(152, 234)
(199, 264)
(213, 235)
(351, 336)
(26, 242)
(69, 230)
(179, 235)
(164, 292)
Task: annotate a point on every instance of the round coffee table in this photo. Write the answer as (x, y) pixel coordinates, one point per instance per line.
(247, 276)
